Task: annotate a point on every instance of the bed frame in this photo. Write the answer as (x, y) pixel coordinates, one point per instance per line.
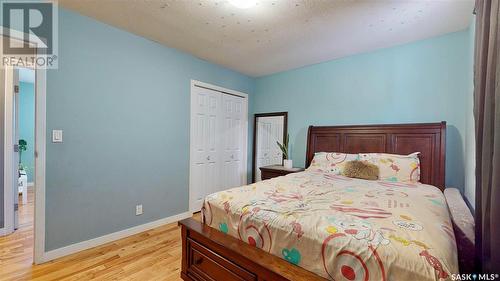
(428, 139)
(208, 254)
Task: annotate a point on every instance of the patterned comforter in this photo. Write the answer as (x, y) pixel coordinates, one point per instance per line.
(342, 228)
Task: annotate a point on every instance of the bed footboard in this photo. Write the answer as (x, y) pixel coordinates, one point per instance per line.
(208, 254)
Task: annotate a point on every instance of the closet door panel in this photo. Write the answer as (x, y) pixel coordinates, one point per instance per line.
(233, 138)
(236, 155)
(206, 158)
(228, 175)
(199, 150)
(238, 118)
(213, 150)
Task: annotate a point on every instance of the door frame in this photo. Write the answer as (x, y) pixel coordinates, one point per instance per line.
(199, 84)
(40, 150)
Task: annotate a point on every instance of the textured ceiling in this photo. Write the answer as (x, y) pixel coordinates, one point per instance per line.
(278, 35)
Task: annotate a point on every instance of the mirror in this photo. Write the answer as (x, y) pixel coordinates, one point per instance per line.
(269, 128)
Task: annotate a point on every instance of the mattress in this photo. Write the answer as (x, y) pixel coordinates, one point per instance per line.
(342, 228)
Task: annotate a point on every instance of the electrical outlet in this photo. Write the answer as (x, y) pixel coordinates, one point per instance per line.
(138, 210)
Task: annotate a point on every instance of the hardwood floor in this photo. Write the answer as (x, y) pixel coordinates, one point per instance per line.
(151, 255)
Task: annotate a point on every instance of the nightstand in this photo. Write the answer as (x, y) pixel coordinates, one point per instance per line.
(269, 172)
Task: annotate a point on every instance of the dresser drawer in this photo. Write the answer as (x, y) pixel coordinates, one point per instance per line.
(205, 264)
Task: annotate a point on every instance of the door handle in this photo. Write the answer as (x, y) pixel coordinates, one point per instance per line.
(16, 147)
(208, 158)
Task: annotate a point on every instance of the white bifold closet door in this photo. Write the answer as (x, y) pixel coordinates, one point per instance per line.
(217, 144)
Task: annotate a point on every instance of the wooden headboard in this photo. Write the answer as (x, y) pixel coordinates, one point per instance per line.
(428, 139)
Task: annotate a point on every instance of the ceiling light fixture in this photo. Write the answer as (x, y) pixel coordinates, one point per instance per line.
(243, 4)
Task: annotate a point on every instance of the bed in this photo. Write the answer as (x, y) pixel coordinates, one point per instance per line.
(314, 225)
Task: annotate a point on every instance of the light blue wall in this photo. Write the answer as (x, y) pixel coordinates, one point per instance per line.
(27, 125)
(123, 103)
(426, 81)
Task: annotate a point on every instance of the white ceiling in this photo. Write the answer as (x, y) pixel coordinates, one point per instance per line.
(278, 35)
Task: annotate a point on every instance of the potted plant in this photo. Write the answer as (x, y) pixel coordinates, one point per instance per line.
(23, 146)
(287, 163)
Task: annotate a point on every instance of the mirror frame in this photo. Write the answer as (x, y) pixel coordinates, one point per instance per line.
(285, 132)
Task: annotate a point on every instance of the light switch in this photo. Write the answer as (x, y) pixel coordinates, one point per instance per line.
(57, 136)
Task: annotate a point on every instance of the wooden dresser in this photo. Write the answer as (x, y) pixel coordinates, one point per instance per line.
(269, 172)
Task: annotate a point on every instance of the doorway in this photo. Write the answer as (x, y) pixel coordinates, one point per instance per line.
(29, 217)
(19, 158)
(25, 139)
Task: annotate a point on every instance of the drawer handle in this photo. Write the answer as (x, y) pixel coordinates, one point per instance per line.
(198, 260)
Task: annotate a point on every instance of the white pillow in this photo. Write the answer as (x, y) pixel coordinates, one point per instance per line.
(330, 162)
(394, 167)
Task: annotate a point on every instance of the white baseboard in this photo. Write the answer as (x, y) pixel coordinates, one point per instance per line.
(84, 245)
(5, 231)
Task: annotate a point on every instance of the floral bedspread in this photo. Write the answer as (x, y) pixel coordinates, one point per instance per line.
(342, 228)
